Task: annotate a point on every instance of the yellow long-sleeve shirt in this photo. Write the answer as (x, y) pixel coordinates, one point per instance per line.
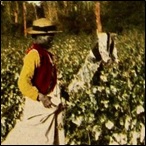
(31, 61)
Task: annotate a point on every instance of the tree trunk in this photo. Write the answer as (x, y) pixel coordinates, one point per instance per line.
(36, 16)
(8, 10)
(24, 19)
(65, 3)
(16, 13)
(15, 16)
(98, 18)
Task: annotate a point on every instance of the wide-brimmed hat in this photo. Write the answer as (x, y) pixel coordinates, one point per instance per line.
(42, 26)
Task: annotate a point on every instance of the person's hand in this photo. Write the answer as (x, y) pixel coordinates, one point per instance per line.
(46, 100)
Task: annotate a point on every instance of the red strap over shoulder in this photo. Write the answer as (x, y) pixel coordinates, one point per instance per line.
(29, 49)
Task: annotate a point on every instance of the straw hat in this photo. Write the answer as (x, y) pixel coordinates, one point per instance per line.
(42, 26)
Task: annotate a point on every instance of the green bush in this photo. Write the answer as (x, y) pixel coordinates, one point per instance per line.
(113, 111)
(70, 52)
(109, 112)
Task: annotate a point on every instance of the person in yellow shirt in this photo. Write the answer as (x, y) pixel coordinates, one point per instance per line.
(38, 76)
(42, 122)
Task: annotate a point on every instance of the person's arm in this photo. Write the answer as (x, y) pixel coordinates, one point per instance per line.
(31, 61)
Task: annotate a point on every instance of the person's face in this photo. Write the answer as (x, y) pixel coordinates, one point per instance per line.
(45, 40)
(50, 38)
